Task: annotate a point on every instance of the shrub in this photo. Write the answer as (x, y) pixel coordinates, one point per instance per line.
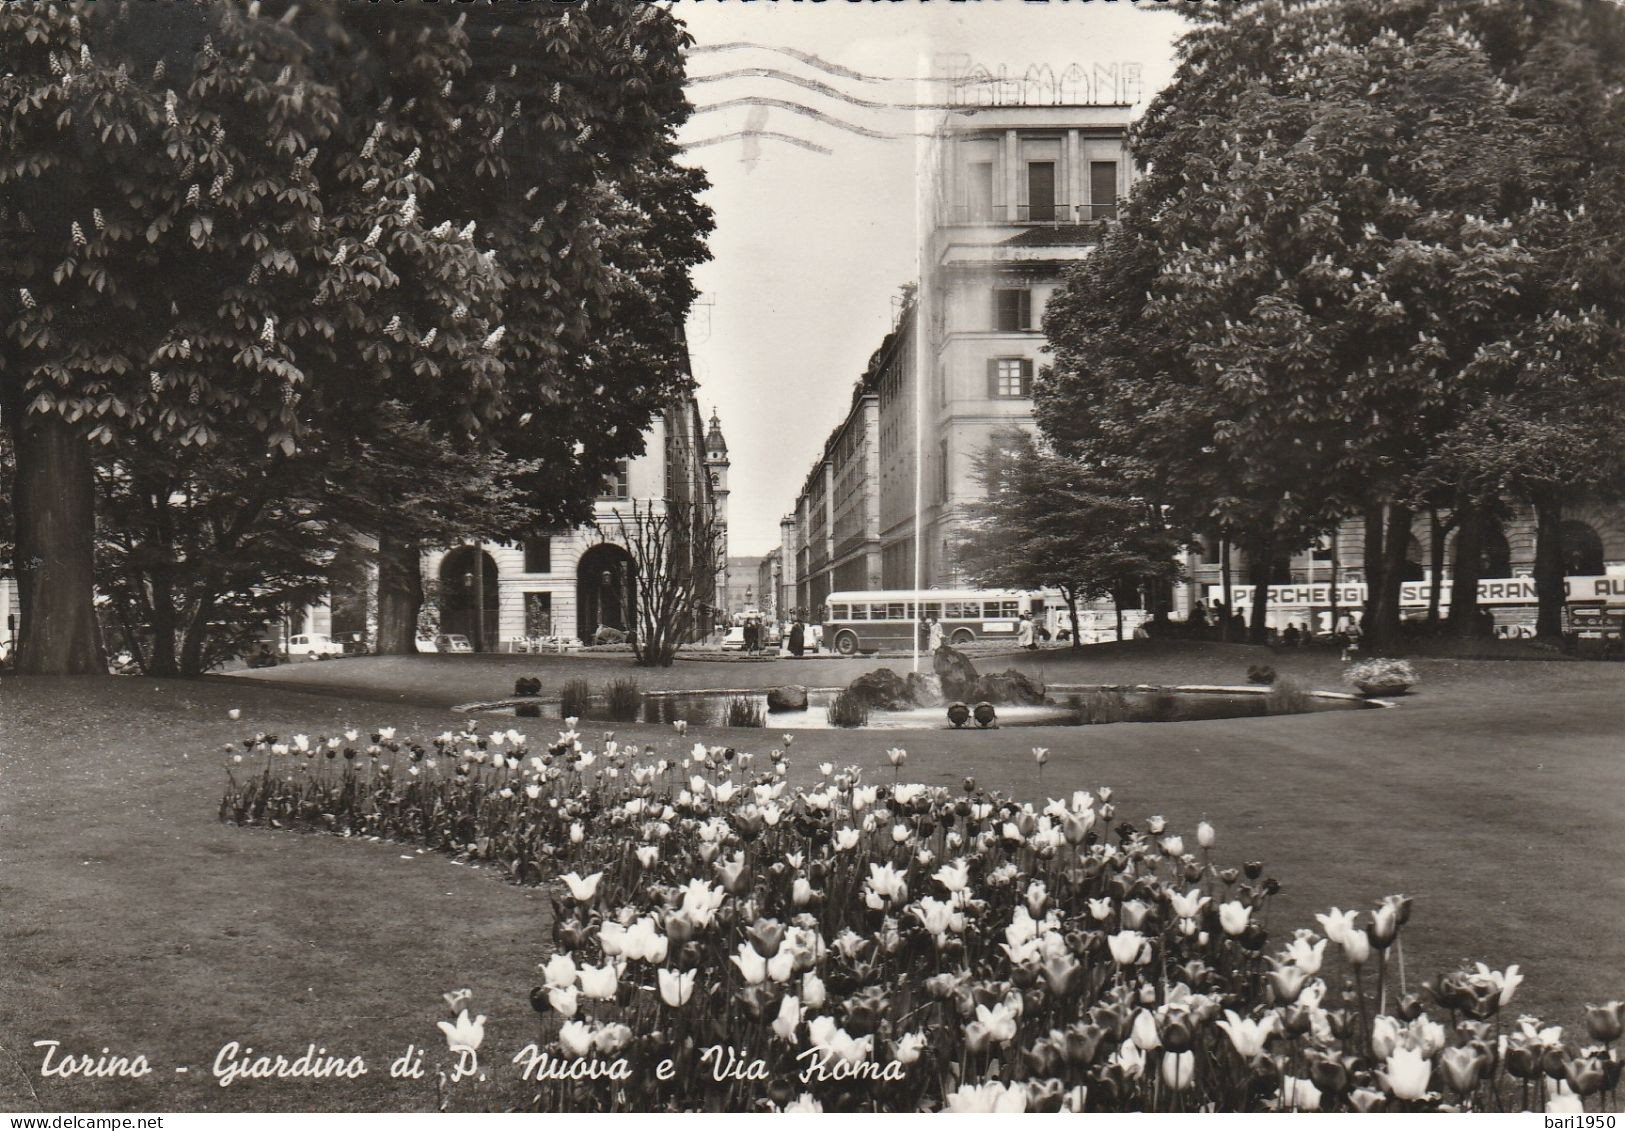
(1285, 697)
(527, 685)
(575, 697)
(1106, 705)
(744, 711)
(623, 700)
(848, 710)
(1381, 677)
(528, 711)
(1261, 673)
(965, 952)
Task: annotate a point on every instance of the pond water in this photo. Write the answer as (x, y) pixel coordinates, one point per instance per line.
(1070, 707)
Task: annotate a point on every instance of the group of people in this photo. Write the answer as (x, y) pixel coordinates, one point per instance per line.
(798, 637)
(1206, 621)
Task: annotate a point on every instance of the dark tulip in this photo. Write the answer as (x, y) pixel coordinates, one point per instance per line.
(1329, 1074)
(1410, 1007)
(970, 785)
(538, 999)
(1254, 869)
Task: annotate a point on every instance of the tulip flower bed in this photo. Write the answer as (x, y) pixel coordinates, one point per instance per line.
(723, 942)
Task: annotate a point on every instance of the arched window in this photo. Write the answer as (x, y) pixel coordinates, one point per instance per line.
(1582, 550)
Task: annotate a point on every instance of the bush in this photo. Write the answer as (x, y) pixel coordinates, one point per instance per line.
(959, 951)
(528, 711)
(1261, 673)
(1285, 697)
(1107, 705)
(575, 698)
(527, 685)
(623, 700)
(848, 710)
(1381, 677)
(743, 711)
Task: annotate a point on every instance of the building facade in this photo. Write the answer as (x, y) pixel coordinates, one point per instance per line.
(1593, 539)
(572, 584)
(1018, 195)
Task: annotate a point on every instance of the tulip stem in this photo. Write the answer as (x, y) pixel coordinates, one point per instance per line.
(1399, 954)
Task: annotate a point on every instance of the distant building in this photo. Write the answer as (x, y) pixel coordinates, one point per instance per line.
(769, 574)
(744, 587)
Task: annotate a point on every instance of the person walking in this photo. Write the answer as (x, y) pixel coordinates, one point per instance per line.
(1024, 633)
(935, 637)
(798, 638)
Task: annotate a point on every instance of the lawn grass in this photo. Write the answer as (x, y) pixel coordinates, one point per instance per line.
(133, 920)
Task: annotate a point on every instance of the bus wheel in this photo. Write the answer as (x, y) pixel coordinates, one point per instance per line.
(963, 636)
(846, 644)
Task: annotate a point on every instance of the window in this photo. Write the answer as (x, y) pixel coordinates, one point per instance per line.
(953, 610)
(933, 609)
(1009, 377)
(896, 611)
(539, 556)
(1102, 190)
(1010, 609)
(860, 612)
(1012, 309)
(616, 486)
(1041, 190)
(979, 190)
(839, 612)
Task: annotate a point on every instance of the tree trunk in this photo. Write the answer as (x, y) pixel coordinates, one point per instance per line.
(400, 596)
(1382, 629)
(197, 636)
(1229, 595)
(1373, 560)
(1336, 581)
(161, 661)
(54, 505)
(1117, 607)
(1071, 596)
(1260, 564)
(1464, 574)
(1550, 589)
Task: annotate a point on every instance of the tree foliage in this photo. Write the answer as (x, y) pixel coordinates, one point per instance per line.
(1353, 246)
(268, 221)
(1044, 521)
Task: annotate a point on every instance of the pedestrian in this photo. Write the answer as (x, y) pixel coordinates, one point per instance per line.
(1348, 630)
(935, 637)
(1024, 632)
(1290, 636)
(1196, 622)
(798, 638)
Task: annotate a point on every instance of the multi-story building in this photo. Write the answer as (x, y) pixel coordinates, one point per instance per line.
(572, 583)
(789, 541)
(769, 584)
(1019, 194)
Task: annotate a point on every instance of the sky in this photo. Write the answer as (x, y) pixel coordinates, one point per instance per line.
(815, 235)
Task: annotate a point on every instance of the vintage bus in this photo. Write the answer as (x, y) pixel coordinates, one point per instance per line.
(890, 619)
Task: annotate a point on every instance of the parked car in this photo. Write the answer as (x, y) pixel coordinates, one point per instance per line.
(452, 642)
(427, 644)
(313, 646)
(735, 640)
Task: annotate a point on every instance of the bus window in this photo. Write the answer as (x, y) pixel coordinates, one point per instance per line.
(895, 611)
(953, 610)
(839, 612)
(912, 610)
(860, 612)
(1012, 609)
(933, 610)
